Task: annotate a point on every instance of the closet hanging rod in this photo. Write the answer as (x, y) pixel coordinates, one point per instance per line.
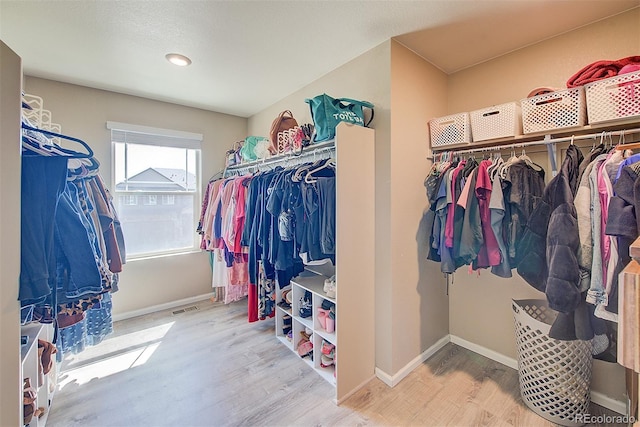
(548, 140)
(313, 150)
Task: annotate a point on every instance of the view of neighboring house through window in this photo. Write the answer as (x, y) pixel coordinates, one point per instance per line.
(156, 188)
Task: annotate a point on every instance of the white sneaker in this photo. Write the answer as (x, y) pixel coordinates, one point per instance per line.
(328, 282)
(331, 290)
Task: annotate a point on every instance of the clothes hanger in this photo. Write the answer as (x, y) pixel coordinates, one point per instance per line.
(496, 164)
(67, 152)
(529, 162)
(622, 145)
(308, 177)
(217, 175)
(298, 174)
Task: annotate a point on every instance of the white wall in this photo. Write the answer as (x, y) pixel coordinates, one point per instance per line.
(83, 112)
(10, 85)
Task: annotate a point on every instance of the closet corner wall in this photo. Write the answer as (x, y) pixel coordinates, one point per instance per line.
(10, 96)
(480, 308)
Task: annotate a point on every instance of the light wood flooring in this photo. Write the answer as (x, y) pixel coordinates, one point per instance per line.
(210, 367)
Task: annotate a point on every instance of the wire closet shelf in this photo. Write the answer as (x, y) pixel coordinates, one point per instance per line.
(604, 136)
(312, 153)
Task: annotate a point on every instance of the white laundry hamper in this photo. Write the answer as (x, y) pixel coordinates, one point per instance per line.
(554, 375)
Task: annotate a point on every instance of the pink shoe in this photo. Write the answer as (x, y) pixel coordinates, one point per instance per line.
(330, 324)
(323, 315)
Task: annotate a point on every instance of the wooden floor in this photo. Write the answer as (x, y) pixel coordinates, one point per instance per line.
(210, 367)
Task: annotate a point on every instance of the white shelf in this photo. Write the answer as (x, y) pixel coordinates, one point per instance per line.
(314, 283)
(284, 310)
(327, 373)
(331, 337)
(308, 322)
(284, 341)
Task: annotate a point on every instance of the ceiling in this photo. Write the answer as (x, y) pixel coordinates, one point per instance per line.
(248, 55)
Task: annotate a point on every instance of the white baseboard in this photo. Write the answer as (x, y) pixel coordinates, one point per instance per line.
(493, 355)
(609, 403)
(160, 307)
(597, 398)
(393, 380)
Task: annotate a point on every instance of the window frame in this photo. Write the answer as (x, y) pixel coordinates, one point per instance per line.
(196, 192)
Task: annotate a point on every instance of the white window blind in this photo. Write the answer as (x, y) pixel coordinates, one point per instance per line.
(137, 134)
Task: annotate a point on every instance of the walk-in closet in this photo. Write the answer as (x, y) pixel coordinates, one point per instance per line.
(188, 239)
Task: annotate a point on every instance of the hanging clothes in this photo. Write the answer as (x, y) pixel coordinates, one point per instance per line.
(262, 228)
(465, 228)
(72, 247)
(550, 247)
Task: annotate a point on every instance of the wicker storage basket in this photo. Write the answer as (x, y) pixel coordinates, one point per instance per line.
(499, 121)
(614, 98)
(450, 131)
(555, 110)
(555, 376)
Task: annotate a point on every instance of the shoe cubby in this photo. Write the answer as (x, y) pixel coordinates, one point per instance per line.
(298, 330)
(42, 384)
(283, 317)
(308, 297)
(324, 364)
(300, 308)
(324, 318)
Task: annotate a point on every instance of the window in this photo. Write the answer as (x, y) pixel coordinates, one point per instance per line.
(151, 200)
(157, 188)
(129, 200)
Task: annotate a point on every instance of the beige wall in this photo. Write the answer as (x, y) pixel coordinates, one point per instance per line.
(480, 306)
(549, 63)
(366, 77)
(83, 113)
(419, 303)
(10, 85)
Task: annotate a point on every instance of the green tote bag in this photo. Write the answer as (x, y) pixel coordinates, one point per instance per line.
(327, 112)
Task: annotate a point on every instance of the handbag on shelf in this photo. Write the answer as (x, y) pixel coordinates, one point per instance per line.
(248, 153)
(327, 112)
(282, 123)
(233, 155)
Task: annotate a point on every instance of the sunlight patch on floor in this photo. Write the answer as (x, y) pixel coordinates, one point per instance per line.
(117, 344)
(113, 355)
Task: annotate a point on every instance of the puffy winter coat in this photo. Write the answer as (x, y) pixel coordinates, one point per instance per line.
(550, 242)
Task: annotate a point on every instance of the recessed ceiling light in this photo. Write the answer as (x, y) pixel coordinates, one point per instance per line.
(177, 59)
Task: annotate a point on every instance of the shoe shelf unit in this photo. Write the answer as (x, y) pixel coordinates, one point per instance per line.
(43, 385)
(353, 333)
(300, 324)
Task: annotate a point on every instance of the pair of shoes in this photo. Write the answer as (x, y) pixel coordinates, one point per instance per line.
(286, 299)
(327, 348)
(286, 324)
(305, 346)
(28, 401)
(328, 354)
(48, 350)
(326, 316)
(330, 286)
(305, 305)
